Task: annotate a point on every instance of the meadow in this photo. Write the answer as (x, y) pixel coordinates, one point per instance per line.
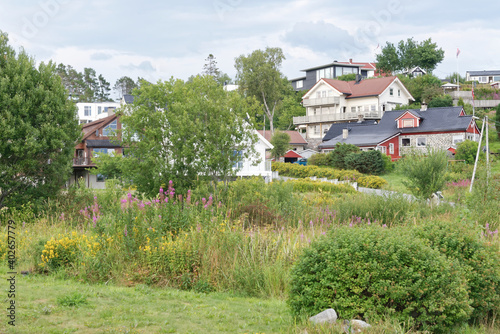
(208, 260)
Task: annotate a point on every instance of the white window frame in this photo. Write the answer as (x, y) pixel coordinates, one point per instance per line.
(421, 141)
(299, 84)
(391, 91)
(391, 148)
(406, 123)
(409, 142)
(87, 111)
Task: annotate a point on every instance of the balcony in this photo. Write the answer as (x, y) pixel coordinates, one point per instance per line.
(322, 101)
(81, 162)
(329, 118)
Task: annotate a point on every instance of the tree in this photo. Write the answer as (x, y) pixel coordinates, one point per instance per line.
(103, 89)
(423, 88)
(124, 85)
(467, 151)
(425, 172)
(409, 54)
(289, 108)
(281, 142)
(341, 151)
(182, 131)
(347, 77)
(366, 162)
(441, 101)
(210, 67)
(258, 75)
(38, 126)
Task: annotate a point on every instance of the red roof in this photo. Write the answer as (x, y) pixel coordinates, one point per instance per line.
(367, 87)
(292, 154)
(366, 66)
(295, 137)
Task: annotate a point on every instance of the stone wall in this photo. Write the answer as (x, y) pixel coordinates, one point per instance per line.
(441, 141)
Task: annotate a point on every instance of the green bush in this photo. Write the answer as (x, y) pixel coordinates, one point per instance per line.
(315, 186)
(371, 181)
(459, 240)
(366, 162)
(319, 159)
(341, 151)
(372, 272)
(467, 151)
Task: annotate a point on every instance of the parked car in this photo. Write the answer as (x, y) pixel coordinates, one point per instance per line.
(302, 162)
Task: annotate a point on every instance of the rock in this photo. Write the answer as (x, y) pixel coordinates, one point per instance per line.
(329, 316)
(355, 326)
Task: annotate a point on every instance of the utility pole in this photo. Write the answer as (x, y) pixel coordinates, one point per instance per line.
(477, 155)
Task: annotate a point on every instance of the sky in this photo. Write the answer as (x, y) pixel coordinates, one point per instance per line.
(157, 40)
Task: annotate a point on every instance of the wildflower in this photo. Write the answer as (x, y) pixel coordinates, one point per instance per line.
(203, 201)
(161, 190)
(384, 226)
(159, 216)
(210, 200)
(311, 223)
(24, 224)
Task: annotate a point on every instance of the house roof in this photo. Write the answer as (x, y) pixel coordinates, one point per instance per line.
(478, 73)
(90, 128)
(336, 128)
(292, 154)
(443, 119)
(129, 99)
(331, 64)
(367, 87)
(295, 137)
(366, 65)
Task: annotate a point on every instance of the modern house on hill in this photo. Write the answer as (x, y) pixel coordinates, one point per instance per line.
(401, 130)
(334, 101)
(482, 76)
(96, 140)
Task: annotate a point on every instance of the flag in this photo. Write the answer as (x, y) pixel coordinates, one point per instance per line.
(458, 52)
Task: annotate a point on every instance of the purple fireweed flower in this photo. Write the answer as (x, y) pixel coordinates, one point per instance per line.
(124, 200)
(170, 182)
(24, 224)
(302, 236)
(350, 225)
(384, 225)
(311, 223)
(203, 200)
(166, 199)
(196, 203)
(94, 220)
(159, 216)
(161, 190)
(220, 204)
(323, 233)
(129, 195)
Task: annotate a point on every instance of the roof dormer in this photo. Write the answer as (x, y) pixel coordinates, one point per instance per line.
(409, 119)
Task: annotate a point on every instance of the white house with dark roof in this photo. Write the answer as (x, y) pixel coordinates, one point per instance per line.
(482, 76)
(335, 101)
(401, 130)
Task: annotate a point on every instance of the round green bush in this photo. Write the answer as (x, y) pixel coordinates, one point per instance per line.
(373, 271)
(478, 258)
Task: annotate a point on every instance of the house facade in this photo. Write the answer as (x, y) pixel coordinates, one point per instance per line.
(97, 139)
(257, 166)
(400, 131)
(92, 111)
(334, 101)
(482, 76)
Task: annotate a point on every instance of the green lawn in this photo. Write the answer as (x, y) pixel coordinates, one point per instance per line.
(139, 309)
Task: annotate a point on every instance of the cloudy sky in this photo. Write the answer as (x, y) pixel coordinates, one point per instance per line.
(160, 39)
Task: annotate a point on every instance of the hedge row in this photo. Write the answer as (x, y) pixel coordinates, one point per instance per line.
(299, 171)
(305, 185)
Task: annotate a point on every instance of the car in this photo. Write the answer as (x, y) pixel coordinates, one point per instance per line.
(302, 162)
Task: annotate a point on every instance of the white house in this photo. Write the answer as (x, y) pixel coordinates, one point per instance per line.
(334, 101)
(92, 111)
(257, 166)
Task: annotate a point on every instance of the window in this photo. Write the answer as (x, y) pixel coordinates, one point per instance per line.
(391, 148)
(421, 141)
(399, 92)
(360, 108)
(407, 123)
(373, 107)
(110, 128)
(405, 142)
(100, 178)
(318, 95)
(105, 109)
(299, 84)
(391, 92)
(367, 108)
(84, 121)
(496, 78)
(316, 129)
(382, 149)
(97, 151)
(483, 79)
(323, 93)
(99, 110)
(325, 129)
(457, 139)
(87, 111)
(239, 163)
(353, 109)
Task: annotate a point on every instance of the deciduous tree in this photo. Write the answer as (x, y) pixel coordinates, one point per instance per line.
(259, 75)
(38, 128)
(281, 142)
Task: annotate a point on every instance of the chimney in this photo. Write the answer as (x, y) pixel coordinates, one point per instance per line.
(111, 111)
(350, 60)
(345, 132)
(358, 79)
(423, 106)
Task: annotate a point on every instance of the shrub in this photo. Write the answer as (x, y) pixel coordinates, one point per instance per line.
(372, 272)
(366, 162)
(341, 151)
(319, 159)
(371, 181)
(425, 172)
(315, 186)
(467, 151)
(461, 241)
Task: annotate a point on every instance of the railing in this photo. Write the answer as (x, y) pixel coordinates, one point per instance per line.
(321, 101)
(349, 116)
(81, 162)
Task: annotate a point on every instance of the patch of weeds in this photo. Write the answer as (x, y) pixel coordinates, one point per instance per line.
(75, 299)
(203, 286)
(46, 310)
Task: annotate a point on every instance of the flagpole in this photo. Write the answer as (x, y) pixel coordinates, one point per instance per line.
(458, 75)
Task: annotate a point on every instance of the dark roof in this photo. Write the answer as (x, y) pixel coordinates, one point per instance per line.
(477, 73)
(431, 120)
(335, 63)
(102, 143)
(336, 128)
(129, 99)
